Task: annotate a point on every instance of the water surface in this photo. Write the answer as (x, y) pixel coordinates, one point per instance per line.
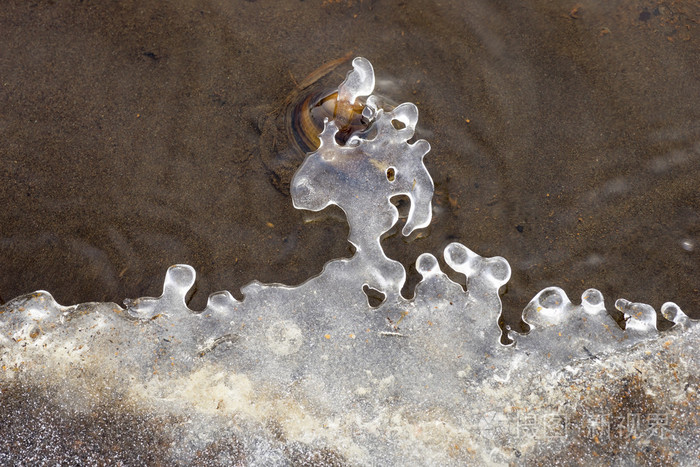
(135, 135)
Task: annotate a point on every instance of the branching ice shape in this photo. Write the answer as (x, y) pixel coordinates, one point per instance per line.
(363, 175)
(429, 372)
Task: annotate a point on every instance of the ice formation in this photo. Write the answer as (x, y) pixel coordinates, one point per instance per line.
(314, 374)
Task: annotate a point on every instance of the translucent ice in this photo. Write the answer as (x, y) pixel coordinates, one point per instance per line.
(363, 175)
(314, 370)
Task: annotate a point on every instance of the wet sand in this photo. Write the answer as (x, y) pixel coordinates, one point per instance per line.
(565, 138)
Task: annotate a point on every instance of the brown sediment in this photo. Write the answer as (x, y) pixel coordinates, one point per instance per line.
(130, 141)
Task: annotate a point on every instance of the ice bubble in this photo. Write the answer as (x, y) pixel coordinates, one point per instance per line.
(640, 317)
(550, 306)
(284, 337)
(673, 312)
(592, 301)
(465, 261)
(427, 265)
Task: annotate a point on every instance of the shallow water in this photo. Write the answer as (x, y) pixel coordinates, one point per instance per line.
(134, 136)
